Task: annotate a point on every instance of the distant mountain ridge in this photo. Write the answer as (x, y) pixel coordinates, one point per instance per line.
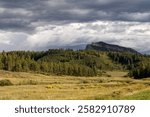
(102, 46)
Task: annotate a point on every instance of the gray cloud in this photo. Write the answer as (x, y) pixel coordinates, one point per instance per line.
(23, 13)
(129, 34)
(37, 24)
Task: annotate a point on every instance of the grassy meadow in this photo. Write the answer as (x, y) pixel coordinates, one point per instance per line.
(111, 85)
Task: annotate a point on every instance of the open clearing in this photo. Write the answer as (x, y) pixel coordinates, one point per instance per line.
(29, 86)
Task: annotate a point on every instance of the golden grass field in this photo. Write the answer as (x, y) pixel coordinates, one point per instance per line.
(29, 86)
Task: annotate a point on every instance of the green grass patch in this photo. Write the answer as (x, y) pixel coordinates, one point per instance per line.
(145, 95)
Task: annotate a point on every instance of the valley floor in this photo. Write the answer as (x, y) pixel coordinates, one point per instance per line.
(29, 86)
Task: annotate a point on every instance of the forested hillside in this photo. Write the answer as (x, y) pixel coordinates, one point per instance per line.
(75, 63)
(138, 65)
(58, 62)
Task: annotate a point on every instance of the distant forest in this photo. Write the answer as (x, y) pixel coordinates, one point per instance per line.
(75, 63)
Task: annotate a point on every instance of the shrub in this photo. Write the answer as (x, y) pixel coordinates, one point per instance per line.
(108, 75)
(5, 82)
(85, 81)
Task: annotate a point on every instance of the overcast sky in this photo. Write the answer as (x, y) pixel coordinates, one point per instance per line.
(43, 24)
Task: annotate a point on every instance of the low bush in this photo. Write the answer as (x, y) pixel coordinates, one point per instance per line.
(5, 82)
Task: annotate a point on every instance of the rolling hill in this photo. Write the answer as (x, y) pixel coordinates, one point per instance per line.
(92, 61)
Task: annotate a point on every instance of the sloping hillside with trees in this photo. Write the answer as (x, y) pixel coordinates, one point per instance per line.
(138, 65)
(57, 62)
(75, 63)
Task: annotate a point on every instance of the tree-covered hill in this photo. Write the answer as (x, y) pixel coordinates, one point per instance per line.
(58, 62)
(75, 63)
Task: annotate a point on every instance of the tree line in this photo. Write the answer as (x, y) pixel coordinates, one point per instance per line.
(137, 64)
(75, 63)
(58, 62)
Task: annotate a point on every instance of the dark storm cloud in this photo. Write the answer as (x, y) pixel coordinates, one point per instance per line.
(28, 13)
(38, 24)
